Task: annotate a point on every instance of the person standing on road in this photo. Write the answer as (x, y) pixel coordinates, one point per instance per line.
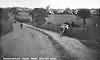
(21, 25)
(14, 21)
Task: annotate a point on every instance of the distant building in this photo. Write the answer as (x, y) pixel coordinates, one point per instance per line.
(57, 11)
(60, 10)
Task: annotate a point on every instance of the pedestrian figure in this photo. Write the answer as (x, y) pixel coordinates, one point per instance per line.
(21, 25)
(14, 21)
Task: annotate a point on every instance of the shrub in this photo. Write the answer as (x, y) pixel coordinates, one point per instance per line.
(23, 17)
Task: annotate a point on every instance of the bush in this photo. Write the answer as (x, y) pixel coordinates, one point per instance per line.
(38, 16)
(23, 17)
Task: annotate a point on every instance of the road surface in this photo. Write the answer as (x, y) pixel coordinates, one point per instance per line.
(72, 46)
(27, 43)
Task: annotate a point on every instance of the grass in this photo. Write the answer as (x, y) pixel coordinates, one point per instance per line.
(76, 32)
(90, 38)
(59, 19)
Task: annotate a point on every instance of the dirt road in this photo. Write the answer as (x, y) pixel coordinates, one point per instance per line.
(73, 48)
(27, 43)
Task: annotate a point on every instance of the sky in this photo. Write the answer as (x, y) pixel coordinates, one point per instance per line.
(52, 3)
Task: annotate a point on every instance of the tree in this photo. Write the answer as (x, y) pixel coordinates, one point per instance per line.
(48, 7)
(67, 11)
(84, 13)
(38, 16)
(23, 17)
(13, 10)
(99, 12)
(39, 12)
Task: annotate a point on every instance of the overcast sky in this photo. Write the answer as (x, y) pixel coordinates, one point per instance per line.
(52, 3)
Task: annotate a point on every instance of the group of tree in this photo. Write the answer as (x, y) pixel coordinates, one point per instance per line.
(20, 15)
(13, 10)
(23, 17)
(38, 16)
(99, 12)
(68, 11)
(84, 13)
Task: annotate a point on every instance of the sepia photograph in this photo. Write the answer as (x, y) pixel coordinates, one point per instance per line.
(49, 29)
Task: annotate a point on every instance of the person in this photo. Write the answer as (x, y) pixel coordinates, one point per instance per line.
(14, 21)
(21, 25)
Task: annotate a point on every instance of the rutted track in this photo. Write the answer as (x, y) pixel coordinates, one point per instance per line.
(63, 55)
(65, 48)
(27, 43)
